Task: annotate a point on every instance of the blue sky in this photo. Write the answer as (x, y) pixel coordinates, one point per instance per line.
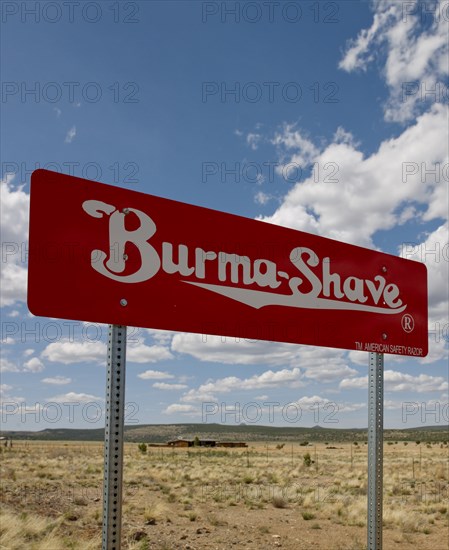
(313, 115)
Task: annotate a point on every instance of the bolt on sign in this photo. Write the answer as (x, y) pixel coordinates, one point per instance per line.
(105, 254)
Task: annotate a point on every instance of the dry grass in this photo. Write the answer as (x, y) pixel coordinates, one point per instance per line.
(51, 497)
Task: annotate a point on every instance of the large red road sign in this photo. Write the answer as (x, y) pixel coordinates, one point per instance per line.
(105, 254)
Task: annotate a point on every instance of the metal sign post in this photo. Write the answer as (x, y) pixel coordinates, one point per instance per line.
(375, 449)
(113, 438)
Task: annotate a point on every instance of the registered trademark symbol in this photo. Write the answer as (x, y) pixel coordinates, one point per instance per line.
(408, 323)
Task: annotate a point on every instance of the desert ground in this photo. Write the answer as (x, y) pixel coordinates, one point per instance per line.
(267, 496)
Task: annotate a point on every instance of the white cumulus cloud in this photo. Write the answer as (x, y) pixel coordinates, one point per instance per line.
(57, 380)
(415, 55)
(68, 352)
(14, 216)
(396, 381)
(175, 408)
(33, 365)
(369, 193)
(147, 354)
(169, 387)
(70, 136)
(73, 397)
(154, 375)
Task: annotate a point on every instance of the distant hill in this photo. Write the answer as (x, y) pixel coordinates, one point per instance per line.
(160, 433)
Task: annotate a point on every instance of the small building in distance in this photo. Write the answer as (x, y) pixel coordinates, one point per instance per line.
(180, 443)
(204, 443)
(231, 444)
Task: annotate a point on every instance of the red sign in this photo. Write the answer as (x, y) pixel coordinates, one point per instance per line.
(104, 254)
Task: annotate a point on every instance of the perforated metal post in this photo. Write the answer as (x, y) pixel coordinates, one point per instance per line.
(113, 438)
(375, 449)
